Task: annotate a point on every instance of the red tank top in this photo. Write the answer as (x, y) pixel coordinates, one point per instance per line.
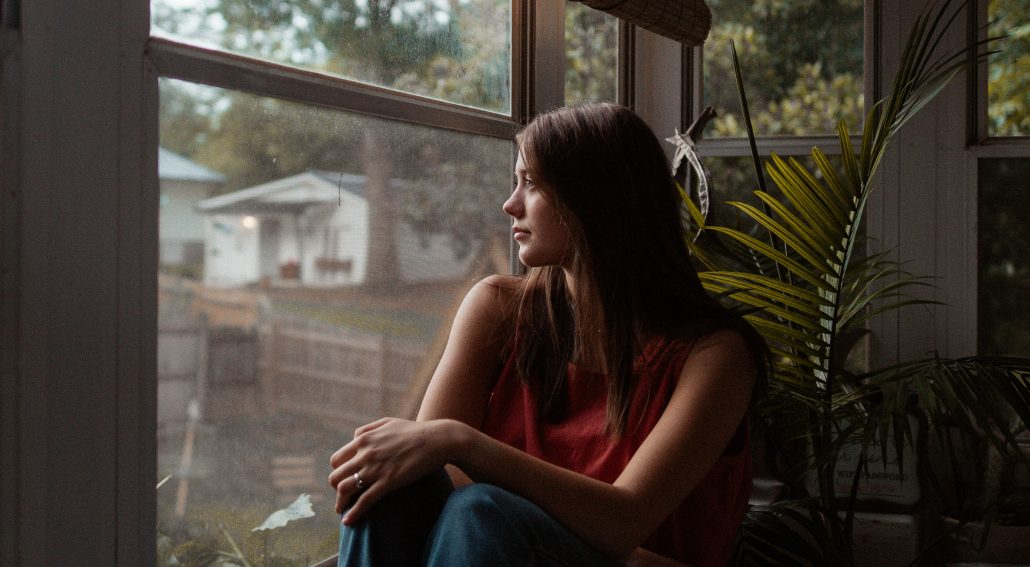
(702, 530)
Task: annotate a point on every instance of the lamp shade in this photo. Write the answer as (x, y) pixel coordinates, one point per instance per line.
(686, 21)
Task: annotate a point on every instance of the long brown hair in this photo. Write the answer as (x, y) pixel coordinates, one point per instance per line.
(634, 280)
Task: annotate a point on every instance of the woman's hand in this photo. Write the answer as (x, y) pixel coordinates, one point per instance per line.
(386, 455)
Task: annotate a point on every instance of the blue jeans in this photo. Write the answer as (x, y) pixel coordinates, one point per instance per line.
(428, 523)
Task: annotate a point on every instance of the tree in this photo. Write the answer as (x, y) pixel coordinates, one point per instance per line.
(591, 54)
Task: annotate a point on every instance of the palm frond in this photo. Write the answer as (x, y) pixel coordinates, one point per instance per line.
(795, 533)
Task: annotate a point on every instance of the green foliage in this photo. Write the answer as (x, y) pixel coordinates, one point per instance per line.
(224, 539)
(1008, 82)
(794, 533)
(804, 61)
(455, 50)
(834, 98)
(591, 54)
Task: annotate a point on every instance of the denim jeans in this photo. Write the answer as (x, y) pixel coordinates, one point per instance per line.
(480, 525)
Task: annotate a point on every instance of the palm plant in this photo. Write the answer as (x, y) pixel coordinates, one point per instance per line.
(801, 274)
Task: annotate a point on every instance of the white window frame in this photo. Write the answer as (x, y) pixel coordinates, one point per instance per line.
(79, 243)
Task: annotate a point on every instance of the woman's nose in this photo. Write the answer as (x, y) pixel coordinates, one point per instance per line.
(513, 206)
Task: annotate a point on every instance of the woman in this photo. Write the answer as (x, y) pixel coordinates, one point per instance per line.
(598, 403)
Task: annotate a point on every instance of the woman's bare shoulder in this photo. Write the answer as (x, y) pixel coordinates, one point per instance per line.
(723, 352)
(498, 291)
(504, 283)
(491, 301)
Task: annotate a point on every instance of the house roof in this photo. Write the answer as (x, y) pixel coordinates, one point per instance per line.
(172, 166)
(290, 194)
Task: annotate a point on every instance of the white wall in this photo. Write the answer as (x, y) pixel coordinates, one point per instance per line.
(179, 218)
(180, 225)
(231, 254)
(348, 220)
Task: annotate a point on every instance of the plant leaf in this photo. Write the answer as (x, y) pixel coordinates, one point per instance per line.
(301, 508)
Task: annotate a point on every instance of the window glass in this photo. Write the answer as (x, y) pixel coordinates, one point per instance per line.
(458, 51)
(1004, 230)
(1008, 82)
(801, 61)
(311, 261)
(591, 54)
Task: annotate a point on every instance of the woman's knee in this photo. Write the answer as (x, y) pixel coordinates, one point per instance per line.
(482, 524)
(479, 503)
(476, 528)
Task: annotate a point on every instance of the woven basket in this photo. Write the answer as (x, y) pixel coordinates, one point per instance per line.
(686, 21)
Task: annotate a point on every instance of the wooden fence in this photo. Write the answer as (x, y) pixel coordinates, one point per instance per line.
(344, 377)
(182, 362)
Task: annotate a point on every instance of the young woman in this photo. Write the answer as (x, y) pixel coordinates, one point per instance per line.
(593, 412)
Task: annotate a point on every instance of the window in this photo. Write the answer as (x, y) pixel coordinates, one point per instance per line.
(335, 245)
(1003, 164)
(336, 248)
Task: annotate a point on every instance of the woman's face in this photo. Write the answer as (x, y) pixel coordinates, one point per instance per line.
(543, 237)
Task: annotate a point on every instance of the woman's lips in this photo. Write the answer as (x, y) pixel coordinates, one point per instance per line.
(519, 233)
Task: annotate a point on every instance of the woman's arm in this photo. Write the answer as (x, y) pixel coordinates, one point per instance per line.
(705, 409)
(462, 382)
(461, 385)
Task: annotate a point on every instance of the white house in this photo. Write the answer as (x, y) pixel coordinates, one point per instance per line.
(184, 183)
(312, 227)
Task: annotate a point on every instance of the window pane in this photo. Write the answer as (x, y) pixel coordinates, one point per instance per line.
(1008, 85)
(1004, 290)
(591, 54)
(457, 51)
(801, 61)
(311, 261)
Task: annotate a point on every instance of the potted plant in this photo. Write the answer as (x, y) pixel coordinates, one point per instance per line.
(799, 271)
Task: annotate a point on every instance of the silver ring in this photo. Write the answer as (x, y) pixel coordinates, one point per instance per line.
(360, 483)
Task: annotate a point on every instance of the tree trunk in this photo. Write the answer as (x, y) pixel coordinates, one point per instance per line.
(381, 270)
